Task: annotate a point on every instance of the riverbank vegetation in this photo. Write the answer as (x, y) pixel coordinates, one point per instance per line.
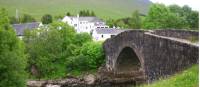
(188, 78)
(13, 60)
(58, 50)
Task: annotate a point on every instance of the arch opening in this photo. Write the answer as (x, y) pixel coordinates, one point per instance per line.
(127, 61)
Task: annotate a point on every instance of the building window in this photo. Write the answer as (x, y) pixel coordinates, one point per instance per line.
(102, 36)
(75, 25)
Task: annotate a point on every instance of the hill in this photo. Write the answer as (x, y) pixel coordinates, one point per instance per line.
(102, 8)
(188, 78)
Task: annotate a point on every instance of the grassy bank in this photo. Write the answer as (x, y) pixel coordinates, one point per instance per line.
(188, 78)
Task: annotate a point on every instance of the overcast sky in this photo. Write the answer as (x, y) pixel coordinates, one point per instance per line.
(194, 4)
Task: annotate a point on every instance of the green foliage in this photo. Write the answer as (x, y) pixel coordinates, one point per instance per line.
(173, 16)
(77, 63)
(135, 21)
(13, 20)
(81, 38)
(90, 56)
(188, 78)
(12, 57)
(58, 50)
(24, 19)
(94, 51)
(27, 18)
(193, 20)
(122, 23)
(86, 13)
(58, 17)
(68, 14)
(160, 17)
(47, 19)
(110, 22)
(48, 50)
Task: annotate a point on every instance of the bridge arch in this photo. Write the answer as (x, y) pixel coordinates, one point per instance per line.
(127, 61)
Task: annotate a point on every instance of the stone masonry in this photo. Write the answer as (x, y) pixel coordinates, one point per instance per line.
(157, 53)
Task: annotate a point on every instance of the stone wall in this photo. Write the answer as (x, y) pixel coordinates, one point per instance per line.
(159, 56)
(164, 56)
(183, 34)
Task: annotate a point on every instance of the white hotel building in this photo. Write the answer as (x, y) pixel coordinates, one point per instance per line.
(84, 24)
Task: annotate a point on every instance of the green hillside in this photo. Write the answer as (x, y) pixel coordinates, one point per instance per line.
(189, 78)
(102, 8)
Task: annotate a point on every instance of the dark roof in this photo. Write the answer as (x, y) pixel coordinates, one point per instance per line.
(88, 18)
(109, 31)
(19, 28)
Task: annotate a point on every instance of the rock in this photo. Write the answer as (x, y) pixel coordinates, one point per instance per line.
(35, 83)
(50, 85)
(89, 79)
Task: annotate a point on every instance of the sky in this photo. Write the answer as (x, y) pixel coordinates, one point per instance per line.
(194, 4)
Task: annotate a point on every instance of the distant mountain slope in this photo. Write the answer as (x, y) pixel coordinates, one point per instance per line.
(103, 8)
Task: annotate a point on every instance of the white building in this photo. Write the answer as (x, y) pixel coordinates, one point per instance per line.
(101, 34)
(84, 24)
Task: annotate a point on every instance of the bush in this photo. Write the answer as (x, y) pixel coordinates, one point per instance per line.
(49, 50)
(12, 57)
(94, 51)
(47, 19)
(82, 38)
(90, 57)
(27, 18)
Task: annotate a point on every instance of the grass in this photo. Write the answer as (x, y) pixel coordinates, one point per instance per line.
(188, 78)
(103, 8)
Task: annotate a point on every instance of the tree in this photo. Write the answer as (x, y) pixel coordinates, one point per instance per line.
(135, 21)
(49, 50)
(94, 52)
(92, 13)
(176, 9)
(27, 18)
(24, 19)
(110, 22)
(191, 17)
(82, 38)
(193, 20)
(13, 20)
(160, 16)
(90, 57)
(68, 14)
(87, 13)
(47, 19)
(12, 57)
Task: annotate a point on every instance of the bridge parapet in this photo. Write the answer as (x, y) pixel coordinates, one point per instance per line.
(180, 33)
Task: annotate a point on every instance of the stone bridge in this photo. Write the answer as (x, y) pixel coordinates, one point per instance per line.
(152, 54)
